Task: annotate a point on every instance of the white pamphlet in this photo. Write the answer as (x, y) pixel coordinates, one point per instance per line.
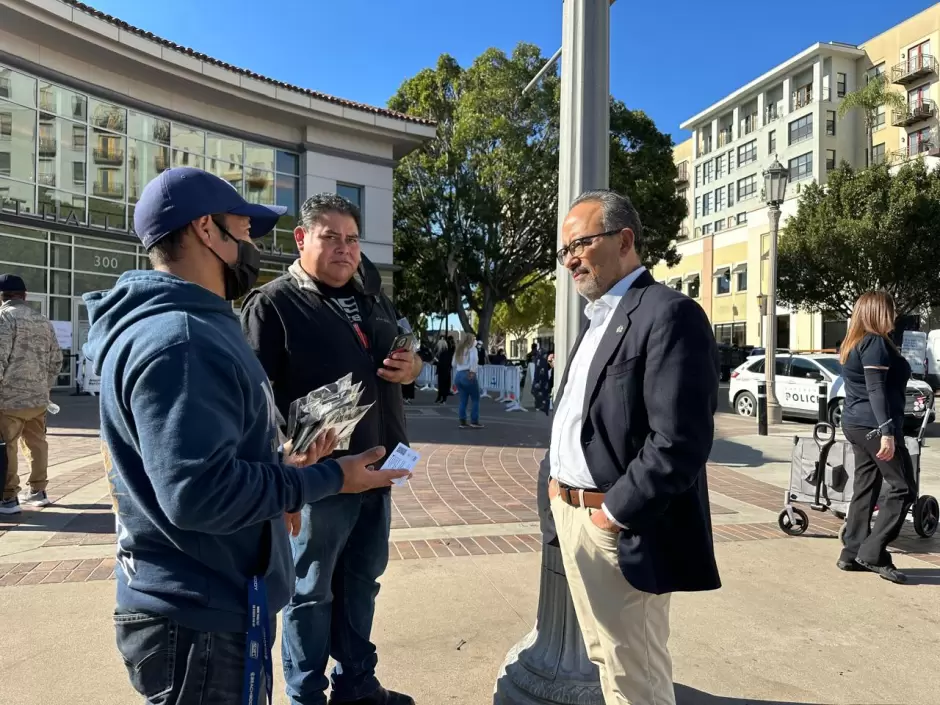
(402, 458)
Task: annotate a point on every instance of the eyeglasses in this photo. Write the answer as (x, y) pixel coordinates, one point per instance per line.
(576, 246)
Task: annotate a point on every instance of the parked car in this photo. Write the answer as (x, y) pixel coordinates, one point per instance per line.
(797, 379)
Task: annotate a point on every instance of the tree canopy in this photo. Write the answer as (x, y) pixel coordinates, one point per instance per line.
(865, 230)
(533, 308)
(483, 194)
(869, 99)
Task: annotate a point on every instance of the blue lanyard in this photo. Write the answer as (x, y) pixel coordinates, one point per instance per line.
(257, 643)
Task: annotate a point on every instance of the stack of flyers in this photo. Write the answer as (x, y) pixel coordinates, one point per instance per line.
(333, 406)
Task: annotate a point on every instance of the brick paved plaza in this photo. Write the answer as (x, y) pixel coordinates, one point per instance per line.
(471, 507)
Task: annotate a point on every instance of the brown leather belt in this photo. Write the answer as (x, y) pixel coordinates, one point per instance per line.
(593, 499)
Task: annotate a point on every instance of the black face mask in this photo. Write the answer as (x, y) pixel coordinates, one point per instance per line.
(241, 275)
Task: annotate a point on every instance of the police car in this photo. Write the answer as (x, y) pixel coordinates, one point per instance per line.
(797, 387)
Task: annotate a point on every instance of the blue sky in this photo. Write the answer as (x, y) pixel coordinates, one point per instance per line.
(670, 58)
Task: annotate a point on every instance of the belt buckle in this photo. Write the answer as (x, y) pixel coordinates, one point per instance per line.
(568, 500)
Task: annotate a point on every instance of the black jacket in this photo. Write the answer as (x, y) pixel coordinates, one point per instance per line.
(304, 341)
(648, 425)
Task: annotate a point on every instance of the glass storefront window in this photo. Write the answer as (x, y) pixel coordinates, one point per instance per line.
(258, 157)
(145, 162)
(61, 283)
(288, 194)
(288, 163)
(92, 282)
(65, 206)
(61, 256)
(181, 158)
(107, 116)
(62, 154)
(106, 162)
(100, 243)
(259, 186)
(17, 87)
(24, 232)
(60, 309)
(230, 172)
(17, 141)
(17, 196)
(224, 148)
(18, 249)
(34, 277)
(104, 261)
(107, 214)
(188, 139)
(147, 128)
(61, 101)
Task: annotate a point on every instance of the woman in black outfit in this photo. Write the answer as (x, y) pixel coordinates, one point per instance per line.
(445, 364)
(875, 376)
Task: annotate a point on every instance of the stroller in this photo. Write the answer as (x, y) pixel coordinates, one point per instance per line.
(822, 473)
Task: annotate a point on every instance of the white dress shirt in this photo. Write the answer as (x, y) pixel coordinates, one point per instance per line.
(567, 462)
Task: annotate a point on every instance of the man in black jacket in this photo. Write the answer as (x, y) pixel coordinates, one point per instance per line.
(325, 318)
(625, 474)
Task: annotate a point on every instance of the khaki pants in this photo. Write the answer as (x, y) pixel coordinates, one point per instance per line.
(29, 427)
(625, 630)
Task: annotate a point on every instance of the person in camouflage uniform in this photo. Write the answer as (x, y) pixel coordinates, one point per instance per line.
(30, 360)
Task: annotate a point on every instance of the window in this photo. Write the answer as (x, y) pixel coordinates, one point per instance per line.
(722, 281)
(840, 85)
(719, 225)
(683, 194)
(919, 142)
(917, 97)
(830, 159)
(730, 161)
(720, 167)
(747, 187)
(353, 194)
(875, 72)
(6, 125)
(801, 129)
(707, 204)
(709, 172)
(730, 195)
(675, 284)
(878, 153)
(772, 142)
(698, 206)
(804, 369)
(698, 175)
(770, 113)
(731, 334)
(693, 286)
(5, 161)
(801, 167)
(707, 229)
(720, 199)
(742, 218)
(831, 123)
(747, 153)
(749, 124)
(740, 277)
(879, 119)
(78, 135)
(78, 172)
(802, 96)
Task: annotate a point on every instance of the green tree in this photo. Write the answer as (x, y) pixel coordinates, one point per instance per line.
(868, 100)
(483, 194)
(867, 229)
(533, 308)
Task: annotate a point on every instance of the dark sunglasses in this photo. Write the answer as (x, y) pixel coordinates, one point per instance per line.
(576, 246)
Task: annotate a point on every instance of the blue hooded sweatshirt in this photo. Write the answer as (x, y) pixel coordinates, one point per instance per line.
(188, 426)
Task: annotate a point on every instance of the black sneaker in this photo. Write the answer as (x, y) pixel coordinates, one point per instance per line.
(886, 571)
(379, 697)
(477, 424)
(849, 566)
(463, 424)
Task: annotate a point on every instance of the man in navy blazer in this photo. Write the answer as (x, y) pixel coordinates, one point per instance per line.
(623, 488)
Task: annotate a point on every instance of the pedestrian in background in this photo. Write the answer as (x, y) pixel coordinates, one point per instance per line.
(444, 363)
(326, 318)
(30, 361)
(190, 445)
(467, 366)
(875, 376)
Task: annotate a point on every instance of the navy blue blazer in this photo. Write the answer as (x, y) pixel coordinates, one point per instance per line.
(649, 407)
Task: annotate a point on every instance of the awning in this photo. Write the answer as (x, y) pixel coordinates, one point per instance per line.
(691, 277)
(722, 271)
(740, 267)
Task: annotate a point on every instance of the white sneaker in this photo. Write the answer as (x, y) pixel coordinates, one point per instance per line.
(34, 499)
(10, 506)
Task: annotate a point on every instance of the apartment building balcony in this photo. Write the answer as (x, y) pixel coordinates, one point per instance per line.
(929, 147)
(46, 101)
(5, 87)
(683, 233)
(802, 100)
(913, 68)
(682, 175)
(924, 110)
(725, 136)
(46, 180)
(161, 133)
(108, 156)
(108, 119)
(48, 146)
(770, 114)
(108, 190)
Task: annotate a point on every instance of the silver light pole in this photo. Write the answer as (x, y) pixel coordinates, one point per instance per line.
(550, 665)
(775, 187)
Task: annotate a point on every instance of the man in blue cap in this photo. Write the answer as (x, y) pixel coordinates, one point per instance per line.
(189, 433)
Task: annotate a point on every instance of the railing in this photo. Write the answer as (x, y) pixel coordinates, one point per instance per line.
(108, 119)
(683, 233)
(47, 179)
(725, 137)
(925, 146)
(922, 110)
(108, 190)
(913, 68)
(48, 146)
(682, 173)
(750, 124)
(108, 156)
(770, 114)
(801, 100)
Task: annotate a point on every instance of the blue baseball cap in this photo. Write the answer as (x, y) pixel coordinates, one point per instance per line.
(180, 195)
(11, 283)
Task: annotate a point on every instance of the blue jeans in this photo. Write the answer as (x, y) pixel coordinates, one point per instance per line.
(469, 390)
(169, 664)
(340, 554)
